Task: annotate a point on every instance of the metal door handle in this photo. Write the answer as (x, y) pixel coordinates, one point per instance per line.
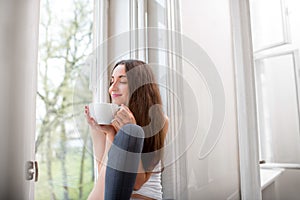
(31, 170)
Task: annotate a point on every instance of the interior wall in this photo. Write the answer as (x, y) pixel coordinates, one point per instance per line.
(215, 176)
(288, 184)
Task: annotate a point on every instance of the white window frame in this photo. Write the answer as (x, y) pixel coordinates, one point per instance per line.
(246, 103)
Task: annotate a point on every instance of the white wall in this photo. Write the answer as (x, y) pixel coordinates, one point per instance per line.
(285, 186)
(217, 176)
(288, 184)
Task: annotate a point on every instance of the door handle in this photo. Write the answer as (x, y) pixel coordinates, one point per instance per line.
(31, 170)
(262, 162)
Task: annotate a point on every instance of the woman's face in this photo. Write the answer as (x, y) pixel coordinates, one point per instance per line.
(118, 89)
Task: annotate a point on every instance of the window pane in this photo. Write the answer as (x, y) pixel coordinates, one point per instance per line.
(62, 144)
(269, 24)
(278, 116)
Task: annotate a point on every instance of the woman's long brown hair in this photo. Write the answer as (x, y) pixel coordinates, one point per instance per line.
(146, 105)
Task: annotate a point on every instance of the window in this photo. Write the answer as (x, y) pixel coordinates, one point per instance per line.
(62, 143)
(278, 115)
(75, 55)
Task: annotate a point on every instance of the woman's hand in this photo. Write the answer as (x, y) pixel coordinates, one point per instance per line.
(95, 127)
(122, 117)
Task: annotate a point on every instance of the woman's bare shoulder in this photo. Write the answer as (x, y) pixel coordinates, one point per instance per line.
(166, 120)
(166, 125)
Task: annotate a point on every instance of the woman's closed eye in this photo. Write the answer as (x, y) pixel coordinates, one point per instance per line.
(121, 79)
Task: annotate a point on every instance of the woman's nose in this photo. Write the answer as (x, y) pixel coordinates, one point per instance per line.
(114, 86)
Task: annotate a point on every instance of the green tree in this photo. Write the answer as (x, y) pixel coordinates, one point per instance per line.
(65, 43)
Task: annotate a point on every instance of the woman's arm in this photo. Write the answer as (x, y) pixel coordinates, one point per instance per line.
(142, 177)
(99, 133)
(101, 137)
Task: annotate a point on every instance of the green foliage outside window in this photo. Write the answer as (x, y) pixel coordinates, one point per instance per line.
(63, 145)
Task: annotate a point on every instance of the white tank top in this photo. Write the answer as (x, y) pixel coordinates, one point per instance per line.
(152, 188)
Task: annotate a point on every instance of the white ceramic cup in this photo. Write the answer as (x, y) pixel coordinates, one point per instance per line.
(103, 113)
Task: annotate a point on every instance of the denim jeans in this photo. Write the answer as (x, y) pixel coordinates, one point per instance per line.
(123, 161)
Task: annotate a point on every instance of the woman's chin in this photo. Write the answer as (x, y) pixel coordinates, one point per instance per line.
(117, 102)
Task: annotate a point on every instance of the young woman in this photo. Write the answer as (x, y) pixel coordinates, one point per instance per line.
(129, 151)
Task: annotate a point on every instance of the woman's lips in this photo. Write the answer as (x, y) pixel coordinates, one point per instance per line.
(115, 95)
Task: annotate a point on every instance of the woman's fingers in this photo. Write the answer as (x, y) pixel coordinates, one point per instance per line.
(87, 112)
(125, 107)
(125, 116)
(122, 117)
(116, 125)
(90, 120)
(95, 127)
